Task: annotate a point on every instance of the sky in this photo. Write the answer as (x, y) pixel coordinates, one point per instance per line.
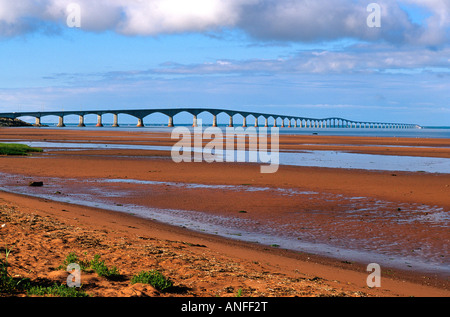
(312, 58)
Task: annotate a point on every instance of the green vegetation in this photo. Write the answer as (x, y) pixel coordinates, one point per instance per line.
(102, 270)
(73, 258)
(95, 264)
(17, 149)
(10, 285)
(56, 290)
(154, 278)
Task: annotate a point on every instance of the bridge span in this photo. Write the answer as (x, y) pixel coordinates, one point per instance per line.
(269, 119)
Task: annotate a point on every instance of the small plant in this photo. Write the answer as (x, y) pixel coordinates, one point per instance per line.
(8, 284)
(102, 269)
(154, 278)
(73, 258)
(56, 290)
(95, 264)
(239, 293)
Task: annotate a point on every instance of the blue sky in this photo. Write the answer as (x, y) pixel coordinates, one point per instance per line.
(296, 57)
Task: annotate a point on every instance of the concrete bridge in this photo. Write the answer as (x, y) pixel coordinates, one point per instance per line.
(269, 119)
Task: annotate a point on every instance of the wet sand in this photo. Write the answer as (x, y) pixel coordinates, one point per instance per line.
(295, 273)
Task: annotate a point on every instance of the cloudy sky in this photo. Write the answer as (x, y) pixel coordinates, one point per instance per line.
(315, 58)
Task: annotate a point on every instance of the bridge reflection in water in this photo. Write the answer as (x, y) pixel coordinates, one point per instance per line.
(268, 119)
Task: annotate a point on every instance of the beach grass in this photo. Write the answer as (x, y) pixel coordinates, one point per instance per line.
(154, 278)
(102, 269)
(11, 285)
(55, 291)
(17, 149)
(95, 264)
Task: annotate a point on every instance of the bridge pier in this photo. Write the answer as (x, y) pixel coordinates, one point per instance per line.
(256, 122)
(266, 125)
(61, 122)
(81, 121)
(194, 121)
(115, 120)
(214, 121)
(231, 122)
(170, 124)
(38, 121)
(99, 121)
(140, 123)
(244, 122)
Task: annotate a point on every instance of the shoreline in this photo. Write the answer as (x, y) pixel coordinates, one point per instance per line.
(335, 276)
(420, 188)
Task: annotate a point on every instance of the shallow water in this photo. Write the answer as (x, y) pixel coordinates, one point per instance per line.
(329, 159)
(302, 231)
(338, 159)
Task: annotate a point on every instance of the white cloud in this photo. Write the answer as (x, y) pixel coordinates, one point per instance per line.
(279, 20)
(438, 24)
(173, 16)
(358, 59)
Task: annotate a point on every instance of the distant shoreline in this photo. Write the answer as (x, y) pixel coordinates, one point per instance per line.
(8, 122)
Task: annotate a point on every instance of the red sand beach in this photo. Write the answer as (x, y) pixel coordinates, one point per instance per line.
(43, 231)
